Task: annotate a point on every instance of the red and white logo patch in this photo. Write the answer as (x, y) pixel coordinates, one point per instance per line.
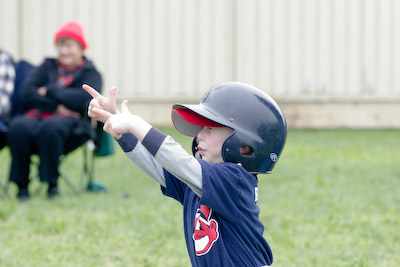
(205, 231)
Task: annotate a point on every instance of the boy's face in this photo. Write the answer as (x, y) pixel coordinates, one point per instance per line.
(210, 141)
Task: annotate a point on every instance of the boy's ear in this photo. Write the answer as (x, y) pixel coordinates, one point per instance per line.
(246, 150)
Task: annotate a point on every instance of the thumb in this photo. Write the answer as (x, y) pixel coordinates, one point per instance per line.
(112, 94)
(124, 106)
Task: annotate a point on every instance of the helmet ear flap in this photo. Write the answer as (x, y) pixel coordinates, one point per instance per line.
(253, 160)
(232, 152)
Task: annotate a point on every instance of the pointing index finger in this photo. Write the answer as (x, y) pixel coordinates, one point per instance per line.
(91, 91)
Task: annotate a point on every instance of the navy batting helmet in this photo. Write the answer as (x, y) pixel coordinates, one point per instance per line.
(255, 117)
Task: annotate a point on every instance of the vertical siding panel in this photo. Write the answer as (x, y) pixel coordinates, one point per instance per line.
(128, 45)
(294, 49)
(160, 39)
(32, 31)
(392, 24)
(112, 42)
(396, 52)
(143, 55)
(189, 83)
(210, 33)
(50, 22)
(174, 46)
(385, 47)
(279, 48)
(203, 47)
(221, 41)
(247, 41)
(308, 46)
(272, 85)
(264, 68)
(301, 49)
(317, 49)
(340, 55)
(354, 66)
(8, 26)
(66, 11)
(325, 54)
(83, 13)
(97, 35)
(162, 58)
(370, 74)
(286, 30)
(362, 48)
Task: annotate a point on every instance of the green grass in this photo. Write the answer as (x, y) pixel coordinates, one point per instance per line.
(332, 200)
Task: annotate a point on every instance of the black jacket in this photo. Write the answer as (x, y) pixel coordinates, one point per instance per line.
(73, 96)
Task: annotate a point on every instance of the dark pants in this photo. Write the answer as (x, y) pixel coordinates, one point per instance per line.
(46, 137)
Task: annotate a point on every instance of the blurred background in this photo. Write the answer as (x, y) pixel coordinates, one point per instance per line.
(328, 63)
(332, 200)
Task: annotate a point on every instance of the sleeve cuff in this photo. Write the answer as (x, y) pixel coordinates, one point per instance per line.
(153, 140)
(127, 142)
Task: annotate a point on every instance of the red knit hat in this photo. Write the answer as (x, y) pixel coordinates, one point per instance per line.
(72, 30)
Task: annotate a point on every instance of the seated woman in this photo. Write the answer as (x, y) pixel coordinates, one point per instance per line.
(54, 104)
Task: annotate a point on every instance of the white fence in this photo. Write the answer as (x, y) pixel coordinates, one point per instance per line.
(162, 51)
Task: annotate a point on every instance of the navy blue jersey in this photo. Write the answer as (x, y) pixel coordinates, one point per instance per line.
(222, 228)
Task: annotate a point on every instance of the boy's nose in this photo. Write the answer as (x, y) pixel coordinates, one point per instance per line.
(200, 135)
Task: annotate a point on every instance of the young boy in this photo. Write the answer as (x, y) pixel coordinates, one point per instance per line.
(239, 131)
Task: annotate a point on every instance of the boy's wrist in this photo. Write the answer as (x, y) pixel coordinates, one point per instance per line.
(139, 128)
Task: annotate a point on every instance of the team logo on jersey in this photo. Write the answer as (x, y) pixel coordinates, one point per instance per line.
(205, 230)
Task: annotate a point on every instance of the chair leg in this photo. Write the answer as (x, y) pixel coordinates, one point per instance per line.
(5, 189)
(84, 175)
(38, 186)
(92, 185)
(90, 168)
(86, 171)
(38, 189)
(69, 184)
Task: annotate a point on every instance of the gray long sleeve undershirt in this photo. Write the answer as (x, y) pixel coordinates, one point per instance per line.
(171, 156)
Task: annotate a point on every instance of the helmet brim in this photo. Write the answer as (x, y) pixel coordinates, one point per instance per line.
(190, 119)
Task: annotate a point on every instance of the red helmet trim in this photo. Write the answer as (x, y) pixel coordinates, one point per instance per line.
(196, 119)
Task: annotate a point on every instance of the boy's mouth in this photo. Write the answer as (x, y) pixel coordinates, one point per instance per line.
(201, 150)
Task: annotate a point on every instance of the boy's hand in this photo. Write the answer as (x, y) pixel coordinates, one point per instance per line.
(101, 102)
(123, 122)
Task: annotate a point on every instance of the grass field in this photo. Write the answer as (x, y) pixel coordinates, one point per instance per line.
(332, 200)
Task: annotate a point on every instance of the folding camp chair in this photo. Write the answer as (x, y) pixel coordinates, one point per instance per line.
(96, 144)
(89, 137)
